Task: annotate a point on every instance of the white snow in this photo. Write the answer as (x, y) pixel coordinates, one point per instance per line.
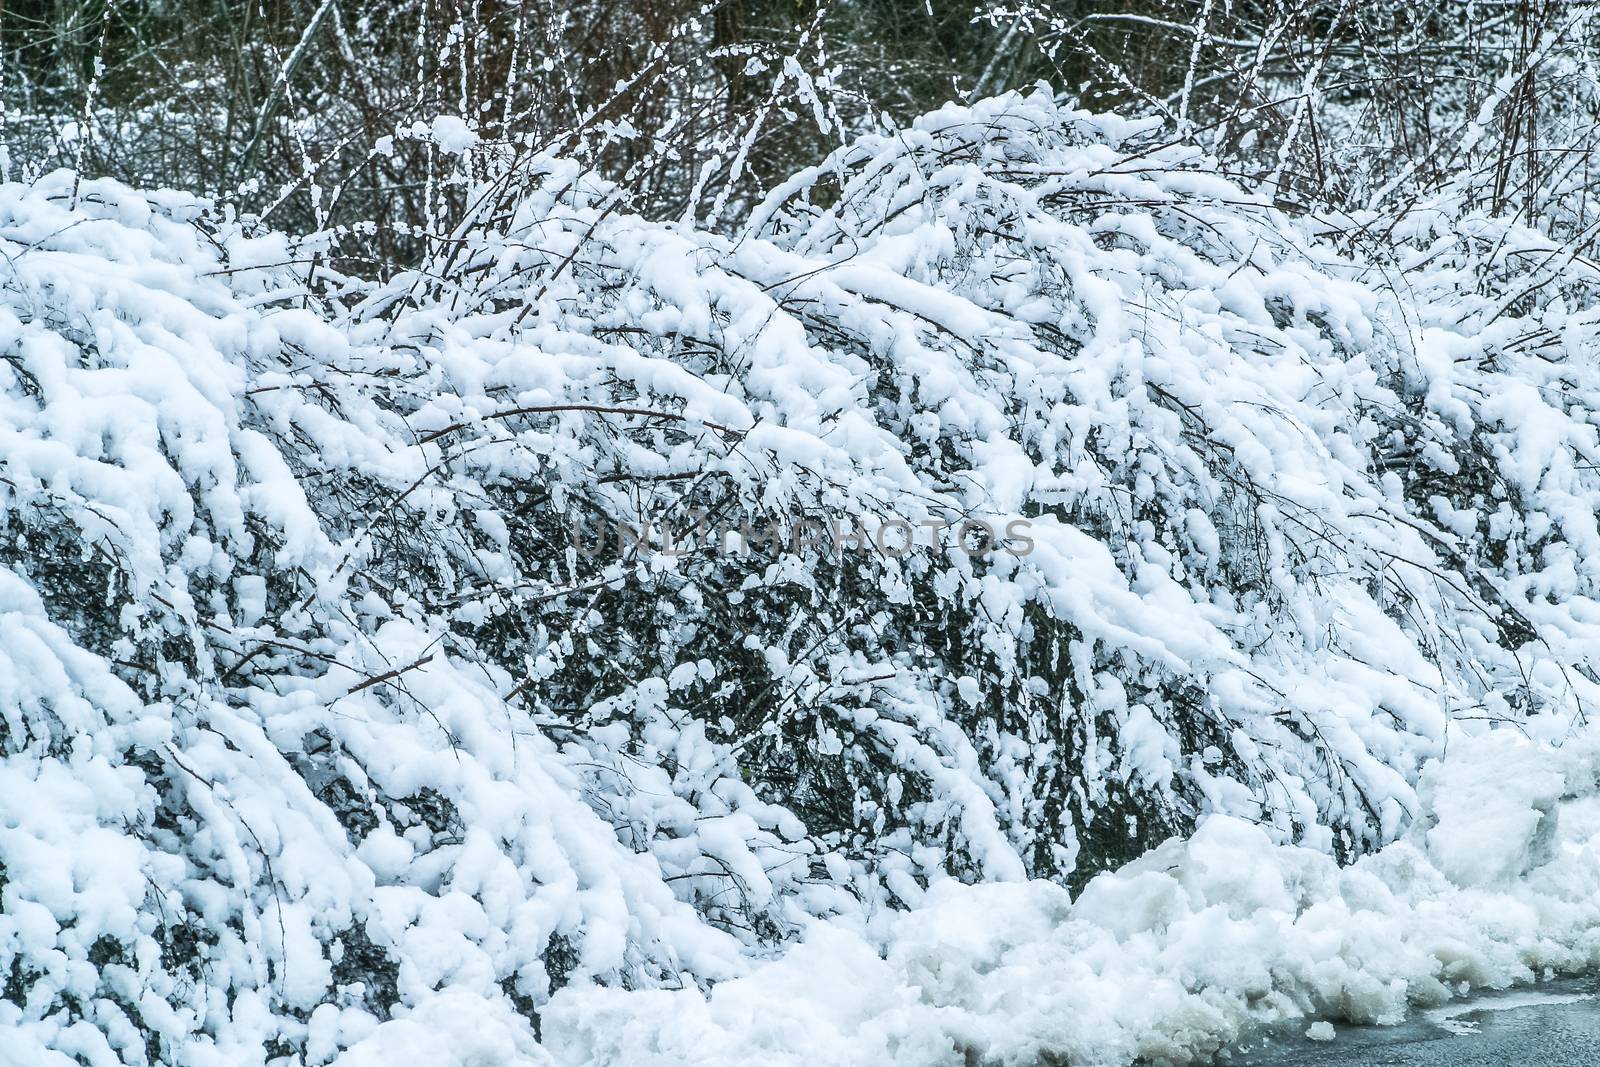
(1167, 959)
(321, 740)
(452, 134)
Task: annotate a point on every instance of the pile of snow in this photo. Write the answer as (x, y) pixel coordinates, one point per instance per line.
(1173, 956)
(321, 737)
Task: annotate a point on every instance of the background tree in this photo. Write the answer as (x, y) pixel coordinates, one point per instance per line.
(318, 114)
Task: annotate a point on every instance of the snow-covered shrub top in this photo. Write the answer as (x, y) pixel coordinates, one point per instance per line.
(315, 709)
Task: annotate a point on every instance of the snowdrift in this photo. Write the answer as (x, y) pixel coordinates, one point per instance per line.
(325, 726)
(1188, 948)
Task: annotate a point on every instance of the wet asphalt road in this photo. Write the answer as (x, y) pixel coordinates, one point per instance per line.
(1554, 1025)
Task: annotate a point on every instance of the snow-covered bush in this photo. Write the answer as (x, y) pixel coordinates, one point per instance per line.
(321, 704)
